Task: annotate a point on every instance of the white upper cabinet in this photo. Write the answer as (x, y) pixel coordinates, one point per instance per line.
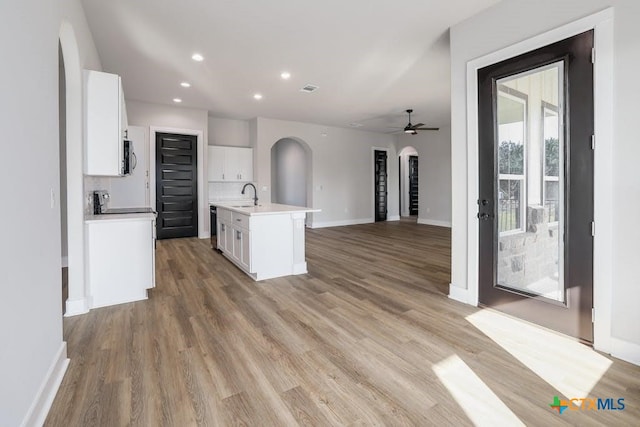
(216, 163)
(105, 123)
(230, 164)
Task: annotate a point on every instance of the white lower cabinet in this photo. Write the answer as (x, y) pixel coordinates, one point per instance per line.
(121, 259)
(245, 241)
(234, 237)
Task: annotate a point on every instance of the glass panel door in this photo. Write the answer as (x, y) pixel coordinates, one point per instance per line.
(535, 204)
(530, 181)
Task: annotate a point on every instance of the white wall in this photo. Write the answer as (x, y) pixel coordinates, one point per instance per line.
(342, 177)
(33, 355)
(502, 26)
(289, 173)
(434, 174)
(175, 119)
(228, 132)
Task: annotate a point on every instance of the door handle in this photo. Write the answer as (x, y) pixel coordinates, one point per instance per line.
(483, 216)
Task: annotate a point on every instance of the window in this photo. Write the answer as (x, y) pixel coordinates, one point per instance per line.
(552, 157)
(512, 131)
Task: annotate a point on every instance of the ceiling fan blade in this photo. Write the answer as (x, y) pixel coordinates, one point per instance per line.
(417, 125)
(415, 128)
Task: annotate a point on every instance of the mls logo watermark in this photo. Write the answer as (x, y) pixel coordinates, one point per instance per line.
(587, 404)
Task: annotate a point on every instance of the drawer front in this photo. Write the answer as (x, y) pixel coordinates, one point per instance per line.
(224, 214)
(240, 220)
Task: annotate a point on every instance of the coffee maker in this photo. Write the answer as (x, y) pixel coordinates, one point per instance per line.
(99, 200)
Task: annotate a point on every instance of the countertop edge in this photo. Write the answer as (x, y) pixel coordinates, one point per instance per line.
(142, 216)
(249, 211)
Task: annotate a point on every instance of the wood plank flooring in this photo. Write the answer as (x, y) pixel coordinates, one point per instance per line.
(366, 338)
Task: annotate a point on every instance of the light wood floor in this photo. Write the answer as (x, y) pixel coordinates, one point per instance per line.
(368, 337)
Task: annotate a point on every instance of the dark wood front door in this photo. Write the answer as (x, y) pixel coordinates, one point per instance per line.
(536, 186)
(380, 191)
(176, 185)
(413, 185)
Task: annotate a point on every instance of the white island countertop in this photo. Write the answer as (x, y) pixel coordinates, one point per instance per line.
(262, 208)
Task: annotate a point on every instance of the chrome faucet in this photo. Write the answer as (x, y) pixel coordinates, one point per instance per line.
(255, 193)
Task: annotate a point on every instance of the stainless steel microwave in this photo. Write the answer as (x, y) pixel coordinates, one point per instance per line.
(129, 160)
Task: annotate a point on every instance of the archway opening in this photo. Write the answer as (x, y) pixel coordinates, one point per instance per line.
(62, 145)
(71, 171)
(291, 172)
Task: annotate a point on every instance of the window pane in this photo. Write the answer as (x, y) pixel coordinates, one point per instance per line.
(511, 132)
(551, 143)
(509, 205)
(530, 182)
(552, 199)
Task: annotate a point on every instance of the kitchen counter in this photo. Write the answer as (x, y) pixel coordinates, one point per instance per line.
(146, 216)
(262, 209)
(121, 257)
(264, 241)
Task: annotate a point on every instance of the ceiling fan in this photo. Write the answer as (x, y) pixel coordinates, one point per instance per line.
(413, 129)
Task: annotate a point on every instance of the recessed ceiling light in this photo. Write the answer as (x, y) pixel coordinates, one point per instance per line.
(185, 84)
(257, 96)
(177, 100)
(285, 75)
(197, 57)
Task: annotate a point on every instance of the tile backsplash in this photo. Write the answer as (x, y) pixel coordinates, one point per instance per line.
(228, 191)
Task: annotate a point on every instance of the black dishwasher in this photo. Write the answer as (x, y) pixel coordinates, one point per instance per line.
(214, 225)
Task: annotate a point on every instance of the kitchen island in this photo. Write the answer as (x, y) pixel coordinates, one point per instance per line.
(264, 241)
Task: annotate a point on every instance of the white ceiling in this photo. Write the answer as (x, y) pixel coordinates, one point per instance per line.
(372, 59)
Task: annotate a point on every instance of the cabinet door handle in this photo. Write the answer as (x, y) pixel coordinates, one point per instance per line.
(222, 227)
(238, 219)
(238, 234)
(222, 176)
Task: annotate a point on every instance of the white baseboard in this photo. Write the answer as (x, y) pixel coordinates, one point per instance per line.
(44, 398)
(625, 350)
(458, 294)
(76, 307)
(393, 218)
(65, 261)
(341, 223)
(434, 222)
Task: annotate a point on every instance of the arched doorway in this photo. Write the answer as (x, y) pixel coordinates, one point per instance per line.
(408, 170)
(291, 172)
(71, 169)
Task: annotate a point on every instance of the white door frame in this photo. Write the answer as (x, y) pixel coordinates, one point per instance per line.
(602, 24)
(203, 200)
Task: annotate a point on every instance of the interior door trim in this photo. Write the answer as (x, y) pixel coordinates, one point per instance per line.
(464, 286)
